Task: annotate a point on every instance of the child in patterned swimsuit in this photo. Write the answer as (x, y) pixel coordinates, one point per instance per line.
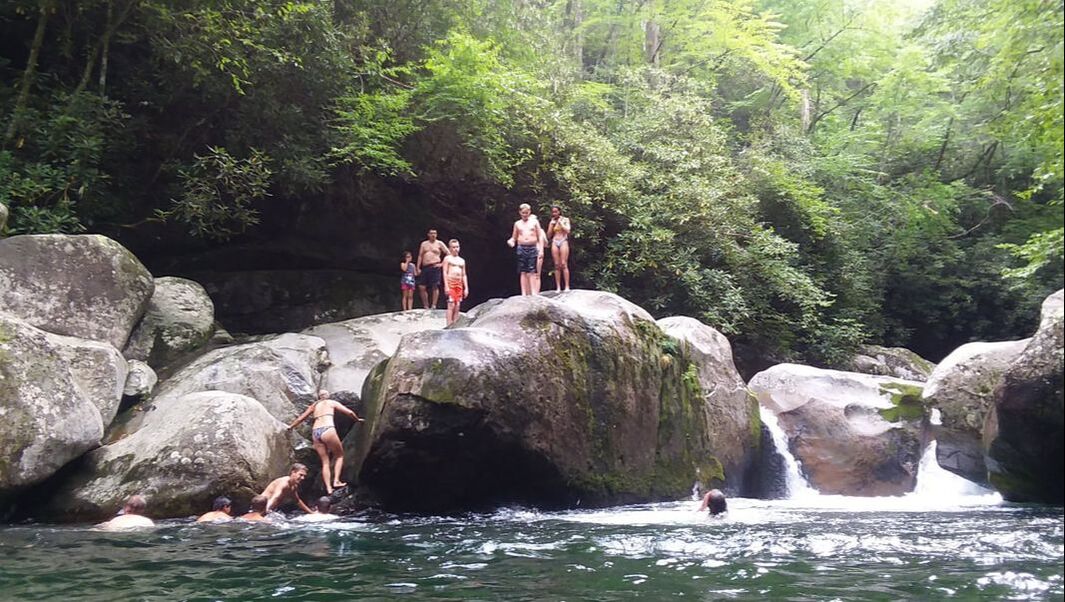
(406, 282)
(324, 437)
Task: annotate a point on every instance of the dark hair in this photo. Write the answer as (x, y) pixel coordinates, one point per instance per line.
(406, 254)
(324, 503)
(258, 503)
(717, 503)
(557, 206)
(221, 502)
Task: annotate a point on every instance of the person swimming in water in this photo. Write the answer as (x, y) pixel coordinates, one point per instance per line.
(714, 501)
(324, 437)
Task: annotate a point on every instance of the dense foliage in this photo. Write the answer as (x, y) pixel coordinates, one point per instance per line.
(802, 175)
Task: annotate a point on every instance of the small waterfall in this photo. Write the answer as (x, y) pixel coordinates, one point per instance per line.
(796, 485)
(935, 482)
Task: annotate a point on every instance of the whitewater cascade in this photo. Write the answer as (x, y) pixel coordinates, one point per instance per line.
(794, 482)
(935, 482)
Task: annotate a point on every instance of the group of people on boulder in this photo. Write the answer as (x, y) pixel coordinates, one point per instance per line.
(439, 266)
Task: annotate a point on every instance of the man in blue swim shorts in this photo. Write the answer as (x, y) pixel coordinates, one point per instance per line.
(527, 238)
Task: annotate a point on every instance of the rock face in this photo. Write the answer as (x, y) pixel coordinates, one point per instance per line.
(86, 286)
(98, 369)
(46, 420)
(854, 434)
(140, 381)
(272, 300)
(179, 319)
(577, 398)
(962, 387)
(282, 373)
(190, 450)
(1024, 434)
(3, 218)
(897, 362)
(731, 411)
(356, 346)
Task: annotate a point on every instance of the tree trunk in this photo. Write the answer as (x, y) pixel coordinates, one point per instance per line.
(574, 20)
(30, 72)
(651, 41)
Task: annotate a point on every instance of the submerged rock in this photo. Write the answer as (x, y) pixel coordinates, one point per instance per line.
(179, 320)
(962, 387)
(190, 449)
(85, 285)
(897, 362)
(46, 418)
(575, 399)
(854, 434)
(1024, 435)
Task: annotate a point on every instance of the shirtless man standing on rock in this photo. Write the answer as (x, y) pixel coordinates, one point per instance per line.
(431, 255)
(527, 237)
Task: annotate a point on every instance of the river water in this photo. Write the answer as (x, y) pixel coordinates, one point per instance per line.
(947, 540)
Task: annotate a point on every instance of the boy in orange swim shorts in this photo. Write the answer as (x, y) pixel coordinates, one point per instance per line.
(458, 285)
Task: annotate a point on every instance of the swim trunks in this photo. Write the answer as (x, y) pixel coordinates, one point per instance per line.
(317, 433)
(431, 277)
(527, 258)
(454, 293)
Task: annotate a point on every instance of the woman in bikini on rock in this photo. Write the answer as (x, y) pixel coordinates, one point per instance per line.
(325, 438)
(558, 232)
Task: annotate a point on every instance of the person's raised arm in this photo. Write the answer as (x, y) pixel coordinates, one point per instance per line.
(302, 416)
(706, 502)
(343, 409)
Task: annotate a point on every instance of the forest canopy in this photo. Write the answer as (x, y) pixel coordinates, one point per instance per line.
(802, 175)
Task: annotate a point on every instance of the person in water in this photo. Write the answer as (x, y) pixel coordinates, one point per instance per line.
(282, 488)
(257, 512)
(558, 233)
(321, 512)
(458, 284)
(325, 439)
(527, 238)
(407, 281)
(714, 501)
(221, 511)
(132, 515)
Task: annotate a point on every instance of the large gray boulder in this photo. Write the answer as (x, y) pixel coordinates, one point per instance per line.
(98, 369)
(962, 387)
(46, 419)
(1024, 435)
(189, 450)
(897, 362)
(731, 411)
(85, 285)
(854, 434)
(356, 346)
(579, 398)
(283, 373)
(179, 320)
